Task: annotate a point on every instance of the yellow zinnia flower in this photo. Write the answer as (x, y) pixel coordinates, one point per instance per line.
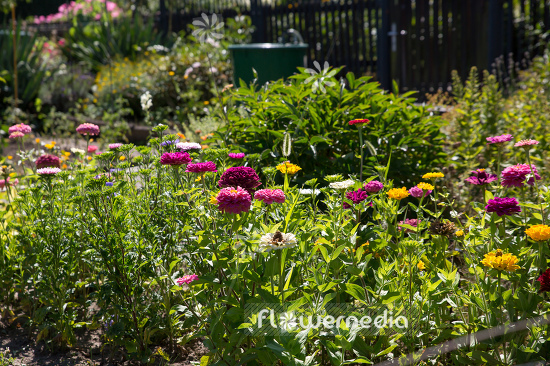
(122, 158)
(425, 186)
(288, 168)
(213, 200)
(398, 193)
(432, 175)
(538, 232)
(48, 146)
(421, 266)
(10, 157)
(501, 261)
(459, 233)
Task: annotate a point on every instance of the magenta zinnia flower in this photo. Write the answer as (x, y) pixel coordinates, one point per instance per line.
(241, 176)
(10, 183)
(88, 129)
(48, 160)
(175, 159)
(233, 200)
(374, 186)
(419, 192)
(499, 139)
(544, 280)
(236, 155)
(115, 145)
(503, 206)
(268, 196)
(410, 222)
(48, 171)
(480, 177)
(201, 167)
(356, 197)
(187, 279)
(359, 122)
(515, 175)
(21, 127)
(526, 143)
(92, 149)
(16, 134)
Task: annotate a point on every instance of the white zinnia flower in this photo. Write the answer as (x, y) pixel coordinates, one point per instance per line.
(74, 150)
(342, 185)
(307, 191)
(184, 146)
(277, 240)
(146, 101)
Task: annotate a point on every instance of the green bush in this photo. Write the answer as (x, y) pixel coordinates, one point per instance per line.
(322, 141)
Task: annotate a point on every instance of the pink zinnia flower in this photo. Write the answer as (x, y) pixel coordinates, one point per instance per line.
(207, 166)
(359, 122)
(236, 155)
(21, 127)
(410, 222)
(515, 175)
(48, 171)
(16, 134)
(187, 279)
(268, 196)
(88, 129)
(418, 192)
(11, 184)
(479, 177)
(175, 159)
(240, 176)
(356, 197)
(92, 149)
(544, 280)
(48, 160)
(525, 143)
(503, 206)
(233, 200)
(115, 146)
(499, 139)
(374, 186)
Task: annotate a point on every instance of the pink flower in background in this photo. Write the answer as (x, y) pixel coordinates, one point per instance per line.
(21, 127)
(525, 143)
(187, 279)
(88, 129)
(16, 134)
(503, 206)
(10, 183)
(356, 197)
(48, 171)
(115, 145)
(236, 155)
(410, 222)
(515, 175)
(241, 176)
(48, 160)
(479, 177)
(233, 200)
(268, 196)
(499, 139)
(419, 192)
(175, 159)
(374, 186)
(92, 149)
(207, 166)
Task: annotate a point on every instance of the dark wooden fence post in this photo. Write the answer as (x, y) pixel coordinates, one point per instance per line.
(496, 24)
(258, 21)
(383, 61)
(163, 20)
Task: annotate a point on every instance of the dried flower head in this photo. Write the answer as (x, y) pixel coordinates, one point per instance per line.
(443, 228)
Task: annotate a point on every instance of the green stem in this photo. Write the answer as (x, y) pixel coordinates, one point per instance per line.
(361, 142)
(536, 186)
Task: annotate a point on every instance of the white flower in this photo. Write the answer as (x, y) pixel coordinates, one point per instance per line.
(146, 101)
(184, 146)
(74, 150)
(307, 191)
(342, 185)
(277, 240)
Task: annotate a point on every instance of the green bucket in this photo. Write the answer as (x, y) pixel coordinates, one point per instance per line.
(272, 61)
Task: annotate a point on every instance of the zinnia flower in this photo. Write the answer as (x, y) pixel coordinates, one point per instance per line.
(499, 139)
(207, 166)
(268, 196)
(359, 122)
(115, 146)
(342, 185)
(48, 171)
(515, 175)
(88, 129)
(410, 222)
(10, 183)
(503, 206)
(277, 241)
(48, 160)
(92, 149)
(374, 186)
(187, 279)
(526, 143)
(16, 134)
(233, 200)
(480, 177)
(500, 261)
(288, 168)
(538, 232)
(398, 193)
(175, 159)
(356, 197)
(418, 192)
(241, 176)
(184, 146)
(21, 127)
(236, 155)
(432, 175)
(459, 233)
(544, 280)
